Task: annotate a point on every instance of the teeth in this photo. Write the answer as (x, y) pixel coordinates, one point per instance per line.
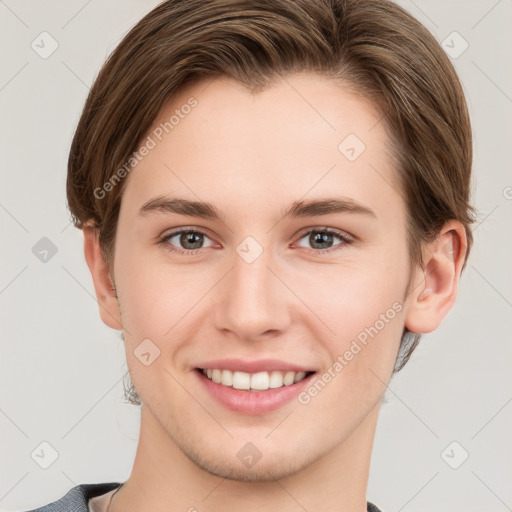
(299, 376)
(227, 378)
(276, 380)
(241, 380)
(260, 381)
(289, 378)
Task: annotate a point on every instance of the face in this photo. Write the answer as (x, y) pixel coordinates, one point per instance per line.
(302, 304)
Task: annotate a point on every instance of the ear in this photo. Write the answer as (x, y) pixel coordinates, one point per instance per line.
(437, 285)
(103, 284)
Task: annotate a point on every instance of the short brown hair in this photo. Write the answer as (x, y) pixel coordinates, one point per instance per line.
(372, 46)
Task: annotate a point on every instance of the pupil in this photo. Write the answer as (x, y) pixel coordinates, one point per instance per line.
(321, 238)
(187, 238)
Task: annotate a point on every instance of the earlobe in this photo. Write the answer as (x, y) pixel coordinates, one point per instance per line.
(104, 286)
(434, 295)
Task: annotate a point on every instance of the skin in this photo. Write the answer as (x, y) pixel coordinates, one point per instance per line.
(252, 155)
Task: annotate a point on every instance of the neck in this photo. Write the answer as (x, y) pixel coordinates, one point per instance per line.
(164, 479)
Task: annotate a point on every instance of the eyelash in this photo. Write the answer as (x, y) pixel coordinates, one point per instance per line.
(329, 231)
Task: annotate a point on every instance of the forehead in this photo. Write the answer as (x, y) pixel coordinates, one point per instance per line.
(302, 136)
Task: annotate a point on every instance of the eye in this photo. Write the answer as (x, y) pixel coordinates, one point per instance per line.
(189, 239)
(321, 240)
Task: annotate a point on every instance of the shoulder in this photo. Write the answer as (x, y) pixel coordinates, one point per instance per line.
(77, 498)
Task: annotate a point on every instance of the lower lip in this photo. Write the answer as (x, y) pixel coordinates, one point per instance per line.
(252, 402)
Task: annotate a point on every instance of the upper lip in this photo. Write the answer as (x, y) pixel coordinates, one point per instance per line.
(253, 366)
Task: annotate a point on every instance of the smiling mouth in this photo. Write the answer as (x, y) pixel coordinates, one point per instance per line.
(260, 381)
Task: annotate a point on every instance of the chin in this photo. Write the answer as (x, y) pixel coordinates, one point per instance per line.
(262, 471)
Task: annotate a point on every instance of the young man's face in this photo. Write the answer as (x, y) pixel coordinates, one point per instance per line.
(257, 291)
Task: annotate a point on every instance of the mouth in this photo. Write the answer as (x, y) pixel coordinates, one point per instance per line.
(259, 381)
(252, 388)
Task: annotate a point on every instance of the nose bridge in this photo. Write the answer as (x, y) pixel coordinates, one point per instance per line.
(253, 299)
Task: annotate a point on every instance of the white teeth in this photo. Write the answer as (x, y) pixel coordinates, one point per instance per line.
(299, 376)
(289, 378)
(241, 380)
(276, 380)
(260, 381)
(227, 378)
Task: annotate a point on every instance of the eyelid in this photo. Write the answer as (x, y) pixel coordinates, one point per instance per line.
(327, 229)
(174, 231)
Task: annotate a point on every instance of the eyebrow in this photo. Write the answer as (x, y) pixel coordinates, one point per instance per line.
(298, 209)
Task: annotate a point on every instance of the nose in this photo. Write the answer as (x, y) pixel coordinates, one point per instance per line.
(253, 301)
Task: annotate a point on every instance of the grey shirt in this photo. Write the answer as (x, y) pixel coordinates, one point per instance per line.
(77, 499)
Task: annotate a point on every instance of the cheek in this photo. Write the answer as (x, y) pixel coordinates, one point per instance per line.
(157, 303)
(162, 302)
(157, 296)
(361, 303)
(353, 295)
(361, 356)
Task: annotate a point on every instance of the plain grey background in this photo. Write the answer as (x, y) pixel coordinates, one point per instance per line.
(443, 440)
